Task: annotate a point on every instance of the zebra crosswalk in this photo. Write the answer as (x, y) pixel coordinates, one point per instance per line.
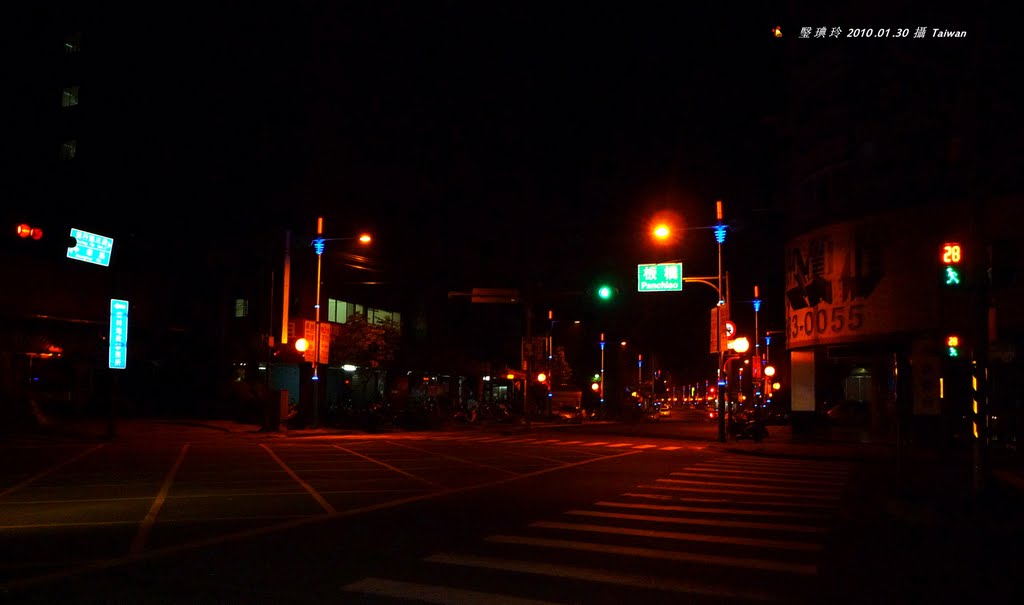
(637, 444)
(734, 528)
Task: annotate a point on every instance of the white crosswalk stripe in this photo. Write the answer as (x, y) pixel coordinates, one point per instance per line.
(513, 439)
(764, 518)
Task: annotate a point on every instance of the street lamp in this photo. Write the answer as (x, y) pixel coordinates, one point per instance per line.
(318, 247)
(662, 232)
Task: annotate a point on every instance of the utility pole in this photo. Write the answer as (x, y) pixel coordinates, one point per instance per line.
(722, 306)
(286, 286)
(319, 242)
(528, 359)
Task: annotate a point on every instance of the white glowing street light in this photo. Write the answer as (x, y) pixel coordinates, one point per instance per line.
(740, 345)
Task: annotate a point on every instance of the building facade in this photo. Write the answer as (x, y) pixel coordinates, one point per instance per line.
(891, 167)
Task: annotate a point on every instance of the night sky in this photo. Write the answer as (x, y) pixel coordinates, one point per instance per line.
(486, 144)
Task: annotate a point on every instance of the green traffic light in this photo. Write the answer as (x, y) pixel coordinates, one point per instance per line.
(604, 292)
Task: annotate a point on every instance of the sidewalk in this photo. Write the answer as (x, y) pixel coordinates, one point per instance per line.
(913, 528)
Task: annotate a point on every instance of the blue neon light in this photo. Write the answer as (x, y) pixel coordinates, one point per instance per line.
(720, 233)
(318, 245)
(768, 340)
(757, 305)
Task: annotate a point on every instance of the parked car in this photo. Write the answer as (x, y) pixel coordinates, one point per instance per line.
(568, 413)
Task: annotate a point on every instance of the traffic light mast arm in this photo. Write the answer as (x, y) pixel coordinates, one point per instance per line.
(707, 281)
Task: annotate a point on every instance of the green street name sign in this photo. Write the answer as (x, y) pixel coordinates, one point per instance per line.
(661, 277)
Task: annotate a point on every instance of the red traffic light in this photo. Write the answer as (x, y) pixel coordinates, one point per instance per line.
(25, 230)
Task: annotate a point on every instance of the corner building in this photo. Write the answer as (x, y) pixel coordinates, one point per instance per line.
(894, 151)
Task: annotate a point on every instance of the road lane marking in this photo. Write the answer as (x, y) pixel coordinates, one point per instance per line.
(597, 443)
(682, 536)
(620, 445)
(309, 488)
(390, 467)
(670, 448)
(657, 553)
(55, 467)
(790, 491)
(752, 483)
(303, 521)
(729, 510)
(643, 447)
(458, 459)
(521, 455)
(196, 520)
(765, 496)
(779, 463)
(796, 472)
(756, 476)
(429, 593)
(147, 523)
(806, 475)
(603, 576)
(683, 484)
(656, 496)
(810, 529)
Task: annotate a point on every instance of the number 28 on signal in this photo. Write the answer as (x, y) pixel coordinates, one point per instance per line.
(951, 254)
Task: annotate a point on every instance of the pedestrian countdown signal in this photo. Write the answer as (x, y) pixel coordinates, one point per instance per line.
(952, 257)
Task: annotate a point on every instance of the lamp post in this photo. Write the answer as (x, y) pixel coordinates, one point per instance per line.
(757, 355)
(722, 306)
(663, 233)
(318, 247)
(740, 346)
(602, 369)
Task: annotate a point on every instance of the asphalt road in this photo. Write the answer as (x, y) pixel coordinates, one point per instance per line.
(651, 513)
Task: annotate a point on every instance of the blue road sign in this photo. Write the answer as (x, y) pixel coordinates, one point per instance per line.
(117, 356)
(91, 248)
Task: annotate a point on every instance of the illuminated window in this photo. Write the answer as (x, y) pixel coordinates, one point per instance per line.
(70, 98)
(73, 43)
(338, 311)
(241, 307)
(68, 149)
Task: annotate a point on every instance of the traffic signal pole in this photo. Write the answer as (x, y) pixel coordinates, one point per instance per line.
(722, 305)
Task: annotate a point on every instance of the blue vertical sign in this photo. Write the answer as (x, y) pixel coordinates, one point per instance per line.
(117, 357)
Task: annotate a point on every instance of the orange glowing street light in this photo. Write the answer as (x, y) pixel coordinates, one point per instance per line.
(662, 231)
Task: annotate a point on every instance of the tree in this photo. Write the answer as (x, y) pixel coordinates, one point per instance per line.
(362, 343)
(561, 371)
